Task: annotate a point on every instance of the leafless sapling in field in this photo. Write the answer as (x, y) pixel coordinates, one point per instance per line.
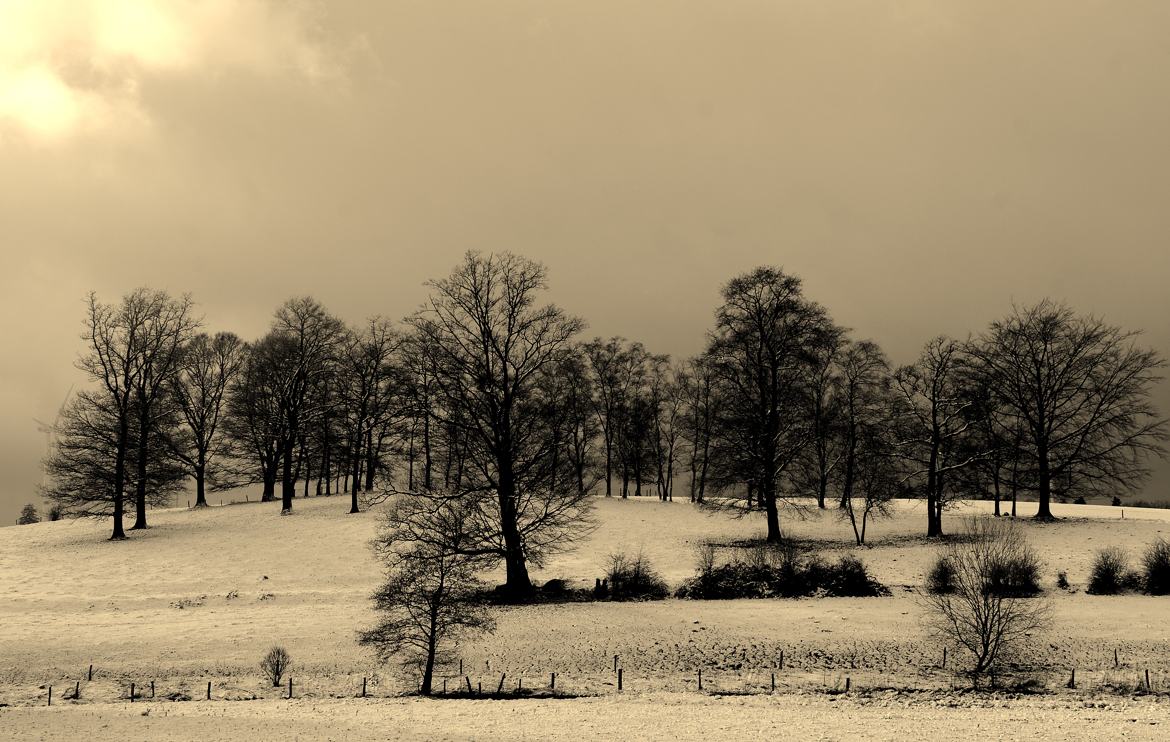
(985, 612)
(275, 664)
(28, 515)
(431, 596)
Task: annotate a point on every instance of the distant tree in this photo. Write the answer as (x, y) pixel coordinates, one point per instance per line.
(128, 347)
(275, 664)
(1079, 391)
(699, 411)
(431, 596)
(759, 352)
(55, 513)
(867, 474)
(819, 460)
(573, 392)
(367, 381)
(307, 345)
(491, 347)
(254, 422)
(978, 614)
(667, 407)
(936, 408)
(28, 515)
(207, 368)
(165, 327)
(618, 369)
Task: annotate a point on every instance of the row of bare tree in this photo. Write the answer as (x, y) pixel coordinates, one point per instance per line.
(486, 395)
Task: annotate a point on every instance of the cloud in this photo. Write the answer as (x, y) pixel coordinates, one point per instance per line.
(70, 67)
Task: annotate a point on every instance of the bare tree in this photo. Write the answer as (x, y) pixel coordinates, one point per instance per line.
(254, 420)
(206, 370)
(867, 473)
(935, 416)
(759, 352)
(431, 596)
(128, 353)
(697, 423)
(275, 664)
(491, 347)
(819, 460)
(309, 340)
(666, 394)
(166, 325)
(987, 621)
(618, 369)
(1079, 390)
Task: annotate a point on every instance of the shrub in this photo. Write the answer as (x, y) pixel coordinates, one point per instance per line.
(275, 664)
(781, 573)
(849, 578)
(986, 615)
(1111, 573)
(634, 578)
(1156, 567)
(1015, 574)
(940, 580)
(1062, 581)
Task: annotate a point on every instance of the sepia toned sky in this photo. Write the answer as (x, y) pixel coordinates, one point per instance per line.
(920, 163)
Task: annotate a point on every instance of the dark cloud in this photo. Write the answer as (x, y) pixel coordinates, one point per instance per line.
(921, 165)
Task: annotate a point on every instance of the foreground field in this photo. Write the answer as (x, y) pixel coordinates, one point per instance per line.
(200, 596)
(883, 716)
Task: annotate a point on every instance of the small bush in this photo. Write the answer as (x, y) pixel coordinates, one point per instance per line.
(1111, 573)
(1156, 567)
(940, 580)
(275, 664)
(1016, 575)
(849, 578)
(634, 578)
(1062, 580)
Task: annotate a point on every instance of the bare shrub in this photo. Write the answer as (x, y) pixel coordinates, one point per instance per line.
(275, 664)
(634, 578)
(1111, 573)
(1156, 567)
(985, 614)
(940, 580)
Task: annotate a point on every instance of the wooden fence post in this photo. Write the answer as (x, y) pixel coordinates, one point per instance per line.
(944, 664)
(1115, 656)
(152, 689)
(132, 693)
(1072, 680)
(615, 659)
(552, 681)
(50, 695)
(700, 678)
(1147, 680)
(500, 687)
(468, 679)
(208, 690)
(781, 659)
(847, 683)
(773, 682)
(290, 686)
(364, 687)
(619, 672)
(91, 672)
(77, 690)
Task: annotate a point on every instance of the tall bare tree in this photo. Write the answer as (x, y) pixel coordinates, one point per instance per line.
(937, 407)
(1080, 392)
(491, 346)
(208, 367)
(760, 351)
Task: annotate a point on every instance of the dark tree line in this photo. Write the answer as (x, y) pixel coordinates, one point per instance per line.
(488, 396)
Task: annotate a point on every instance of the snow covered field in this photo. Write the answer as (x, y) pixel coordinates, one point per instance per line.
(202, 594)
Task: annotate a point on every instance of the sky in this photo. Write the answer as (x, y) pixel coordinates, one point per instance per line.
(921, 164)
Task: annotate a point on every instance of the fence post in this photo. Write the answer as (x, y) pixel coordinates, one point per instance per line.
(460, 665)
(1072, 680)
(132, 693)
(773, 682)
(1115, 657)
(77, 690)
(847, 683)
(364, 687)
(619, 672)
(500, 687)
(781, 659)
(700, 678)
(208, 690)
(152, 689)
(50, 695)
(552, 681)
(468, 679)
(944, 664)
(444, 686)
(290, 686)
(615, 659)
(1147, 680)
(91, 671)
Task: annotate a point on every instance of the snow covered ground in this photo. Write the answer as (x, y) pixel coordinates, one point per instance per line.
(202, 594)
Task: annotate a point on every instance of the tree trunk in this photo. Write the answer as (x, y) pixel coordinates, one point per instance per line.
(140, 485)
(287, 483)
(518, 584)
(768, 493)
(200, 483)
(120, 481)
(1044, 473)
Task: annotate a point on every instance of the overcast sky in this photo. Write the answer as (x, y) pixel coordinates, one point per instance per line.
(921, 164)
